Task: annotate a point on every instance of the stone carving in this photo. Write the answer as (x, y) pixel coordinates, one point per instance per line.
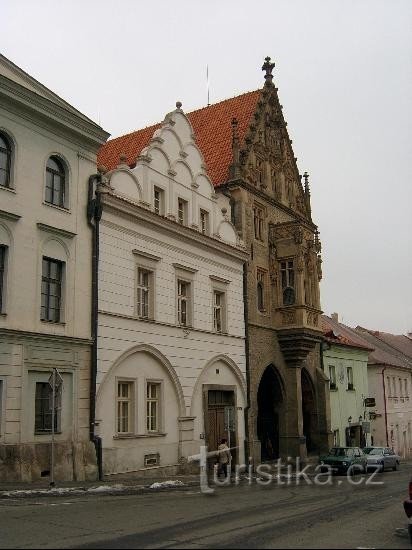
(288, 317)
(319, 266)
(298, 235)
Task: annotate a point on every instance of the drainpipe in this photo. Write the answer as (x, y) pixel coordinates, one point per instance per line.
(94, 213)
(246, 316)
(384, 401)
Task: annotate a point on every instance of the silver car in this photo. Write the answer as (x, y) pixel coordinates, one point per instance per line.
(382, 458)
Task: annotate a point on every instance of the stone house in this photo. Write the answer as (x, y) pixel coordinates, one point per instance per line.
(47, 153)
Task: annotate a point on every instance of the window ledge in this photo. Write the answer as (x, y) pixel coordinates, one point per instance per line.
(138, 436)
(333, 389)
(9, 189)
(351, 389)
(61, 208)
(3, 314)
(59, 323)
(47, 433)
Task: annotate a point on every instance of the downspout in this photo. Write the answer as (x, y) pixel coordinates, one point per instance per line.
(384, 401)
(247, 364)
(94, 212)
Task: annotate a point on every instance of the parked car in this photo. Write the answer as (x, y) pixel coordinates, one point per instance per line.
(382, 458)
(407, 505)
(340, 459)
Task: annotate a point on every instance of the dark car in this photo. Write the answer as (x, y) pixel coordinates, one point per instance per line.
(382, 458)
(340, 459)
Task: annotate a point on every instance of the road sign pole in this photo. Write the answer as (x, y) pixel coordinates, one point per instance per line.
(52, 438)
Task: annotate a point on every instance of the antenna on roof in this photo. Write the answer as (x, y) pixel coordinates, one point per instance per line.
(208, 85)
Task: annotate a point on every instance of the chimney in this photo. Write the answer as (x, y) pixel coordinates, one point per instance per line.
(335, 317)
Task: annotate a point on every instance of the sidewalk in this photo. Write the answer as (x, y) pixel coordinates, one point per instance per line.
(115, 484)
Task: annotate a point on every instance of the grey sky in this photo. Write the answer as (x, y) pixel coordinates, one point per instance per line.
(344, 73)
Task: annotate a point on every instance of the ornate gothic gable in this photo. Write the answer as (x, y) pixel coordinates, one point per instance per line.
(265, 158)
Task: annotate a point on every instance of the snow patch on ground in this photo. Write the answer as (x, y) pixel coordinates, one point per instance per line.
(63, 491)
(165, 484)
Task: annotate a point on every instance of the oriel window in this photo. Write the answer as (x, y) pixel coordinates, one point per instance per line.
(5, 161)
(287, 273)
(51, 290)
(55, 182)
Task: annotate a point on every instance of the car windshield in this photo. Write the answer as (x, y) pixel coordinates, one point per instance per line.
(376, 452)
(340, 451)
(368, 450)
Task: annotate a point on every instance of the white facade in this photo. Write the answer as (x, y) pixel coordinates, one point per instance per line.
(38, 126)
(392, 423)
(161, 363)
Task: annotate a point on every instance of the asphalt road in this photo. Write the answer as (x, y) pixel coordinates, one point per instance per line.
(247, 516)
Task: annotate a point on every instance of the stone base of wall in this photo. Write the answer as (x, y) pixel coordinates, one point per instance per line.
(32, 462)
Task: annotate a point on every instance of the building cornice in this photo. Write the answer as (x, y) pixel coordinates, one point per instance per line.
(39, 108)
(127, 209)
(15, 333)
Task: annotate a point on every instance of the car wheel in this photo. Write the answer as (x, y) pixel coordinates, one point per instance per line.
(396, 467)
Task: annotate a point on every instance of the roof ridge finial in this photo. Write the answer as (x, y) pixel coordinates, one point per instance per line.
(306, 178)
(268, 67)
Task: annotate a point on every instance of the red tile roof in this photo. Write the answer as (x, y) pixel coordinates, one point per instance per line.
(213, 134)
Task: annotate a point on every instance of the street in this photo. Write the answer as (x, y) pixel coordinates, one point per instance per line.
(245, 516)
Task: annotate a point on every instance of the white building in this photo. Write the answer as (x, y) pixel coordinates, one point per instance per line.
(47, 153)
(171, 310)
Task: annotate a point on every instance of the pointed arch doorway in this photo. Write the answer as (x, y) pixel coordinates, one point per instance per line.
(270, 407)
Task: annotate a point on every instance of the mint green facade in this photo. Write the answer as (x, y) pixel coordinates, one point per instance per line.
(348, 390)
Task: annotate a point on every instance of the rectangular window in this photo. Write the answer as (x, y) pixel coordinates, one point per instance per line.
(405, 391)
(125, 407)
(332, 377)
(158, 201)
(183, 303)
(143, 293)
(218, 311)
(388, 387)
(394, 394)
(336, 438)
(349, 371)
(204, 222)
(258, 222)
(51, 290)
(153, 407)
(3, 251)
(182, 212)
(43, 409)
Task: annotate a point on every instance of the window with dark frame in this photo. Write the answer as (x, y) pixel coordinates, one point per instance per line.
(349, 371)
(5, 161)
(43, 409)
(55, 182)
(332, 377)
(287, 273)
(51, 290)
(3, 251)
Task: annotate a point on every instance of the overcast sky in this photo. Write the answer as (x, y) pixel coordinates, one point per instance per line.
(344, 73)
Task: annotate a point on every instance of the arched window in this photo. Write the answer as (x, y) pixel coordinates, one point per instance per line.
(5, 161)
(55, 182)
